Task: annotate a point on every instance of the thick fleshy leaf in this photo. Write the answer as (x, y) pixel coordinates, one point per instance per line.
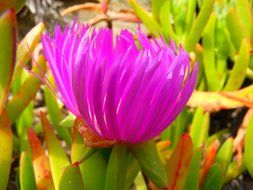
(248, 154)
(200, 127)
(224, 155)
(215, 101)
(7, 53)
(165, 21)
(233, 23)
(209, 62)
(68, 121)
(218, 136)
(234, 170)
(243, 12)
(116, 169)
(41, 165)
(214, 178)
(178, 10)
(24, 49)
(155, 8)
(5, 148)
(57, 157)
(25, 120)
(223, 42)
(27, 92)
(178, 164)
(146, 18)
(54, 112)
(71, 178)
(28, 44)
(190, 14)
(151, 164)
(192, 181)
(238, 72)
(221, 67)
(95, 163)
(199, 24)
(26, 172)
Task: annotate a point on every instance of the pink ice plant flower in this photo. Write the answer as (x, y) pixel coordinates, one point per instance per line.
(124, 90)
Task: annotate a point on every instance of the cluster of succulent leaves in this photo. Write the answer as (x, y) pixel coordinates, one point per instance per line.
(51, 154)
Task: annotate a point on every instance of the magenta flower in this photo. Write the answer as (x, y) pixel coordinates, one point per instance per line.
(123, 91)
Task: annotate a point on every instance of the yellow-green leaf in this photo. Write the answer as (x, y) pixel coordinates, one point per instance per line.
(200, 127)
(248, 154)
(199, 24)
(243, 12)
(55, 112)
(235, 28)
(24, 49)
(238, 72)
(213, 82)
(26, 172)
(7, 53)
(146, 18)
(5, 148)
(27, 92)
(224, 155)
(57, 157)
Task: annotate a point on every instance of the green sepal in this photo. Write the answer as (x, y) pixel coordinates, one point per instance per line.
(151, 164)
(133, 168)
(116, 170)
(95, 162)
(71, 178)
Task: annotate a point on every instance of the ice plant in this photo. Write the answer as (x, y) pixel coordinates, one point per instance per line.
(124, 91)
